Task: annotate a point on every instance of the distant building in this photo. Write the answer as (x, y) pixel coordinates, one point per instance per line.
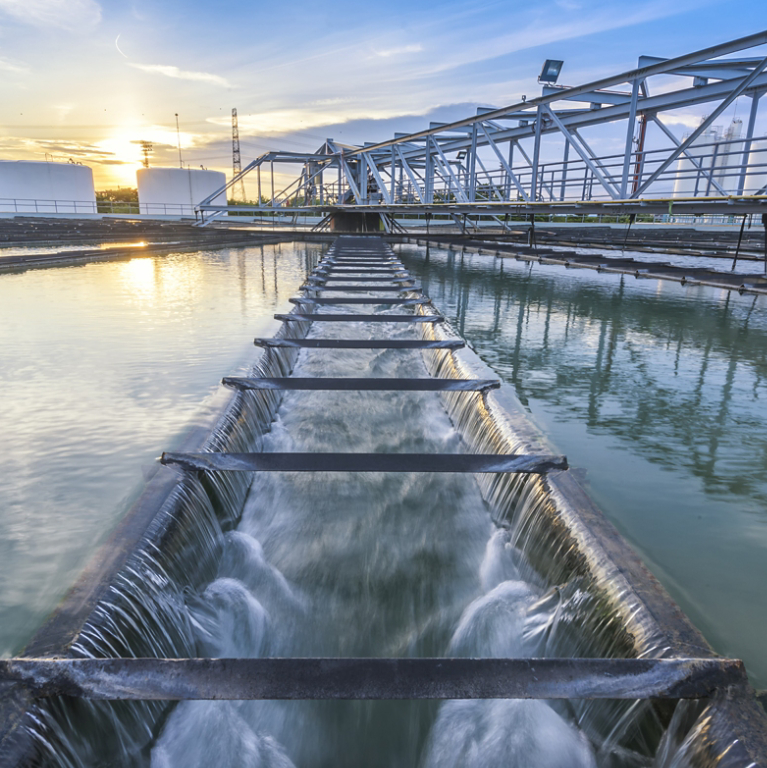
(176, 191)
(42, 187)
(719, 155)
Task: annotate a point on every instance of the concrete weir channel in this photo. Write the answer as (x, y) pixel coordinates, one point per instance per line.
(99, 681)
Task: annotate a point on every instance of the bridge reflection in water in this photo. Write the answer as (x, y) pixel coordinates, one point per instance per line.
(656, 390)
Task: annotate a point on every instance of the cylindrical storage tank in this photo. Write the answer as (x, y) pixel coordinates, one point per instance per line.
(691, 182)
(40, 187)
(176, 191)
(756, 178)
(729, 159)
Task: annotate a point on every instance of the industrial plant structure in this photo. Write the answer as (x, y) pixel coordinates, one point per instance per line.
(46, 187)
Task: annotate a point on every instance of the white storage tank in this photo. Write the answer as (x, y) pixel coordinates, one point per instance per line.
(40, 187)
(176, 191)
(756, 179)
(691, 182)
(729, 159)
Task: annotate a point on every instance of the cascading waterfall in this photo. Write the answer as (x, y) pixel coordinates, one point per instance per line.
(374, 565)
(364, 565)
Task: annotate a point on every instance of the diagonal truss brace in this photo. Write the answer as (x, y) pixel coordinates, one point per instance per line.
(350, 179)
(410, 174)
(377, 176)
(706, 172)
(506, 166)
(584, 155)
(687, 143)
(458, 187)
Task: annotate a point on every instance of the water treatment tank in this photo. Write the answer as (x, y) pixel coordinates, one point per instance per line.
(690, 181)
(41, 187)
(176, 191)
(756, 179)
(729, 159)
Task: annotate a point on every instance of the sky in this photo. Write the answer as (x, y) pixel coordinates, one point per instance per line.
(90, 80)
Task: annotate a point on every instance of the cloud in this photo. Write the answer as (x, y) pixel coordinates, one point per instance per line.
(182, 74)
(9, 66)
(689, 120)
(533, 29)
(415, 48)
(72, 15)
(283, 121)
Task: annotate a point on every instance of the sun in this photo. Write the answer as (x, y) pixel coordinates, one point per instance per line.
(125, 149)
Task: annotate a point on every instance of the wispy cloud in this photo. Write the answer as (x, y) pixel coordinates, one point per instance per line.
(182, 74)
(284, 121)
(534, 30)
(405, 49)
(72, 15)
(6, 65)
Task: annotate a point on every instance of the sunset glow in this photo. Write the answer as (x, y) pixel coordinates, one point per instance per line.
(89, 81)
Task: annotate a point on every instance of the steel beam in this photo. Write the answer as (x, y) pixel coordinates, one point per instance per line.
(366, 462)
(356, 384)
(369, 678)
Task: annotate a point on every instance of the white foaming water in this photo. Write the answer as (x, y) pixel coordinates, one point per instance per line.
(370, 564)
(230, 621)
(214, 733)
(493, 624)
(499, 562)
(514, 733)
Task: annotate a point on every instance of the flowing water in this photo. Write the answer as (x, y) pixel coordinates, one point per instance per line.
(656, 390)
(341, 564)
(352, 565)
(346, 564)
(102, 368)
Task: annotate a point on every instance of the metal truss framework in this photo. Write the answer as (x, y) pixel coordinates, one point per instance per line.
(500, 161)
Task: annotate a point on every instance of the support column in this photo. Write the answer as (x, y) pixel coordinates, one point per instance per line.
(428, 173)
(565, 160)
(473, 165)
(629, 139)
(536, 156)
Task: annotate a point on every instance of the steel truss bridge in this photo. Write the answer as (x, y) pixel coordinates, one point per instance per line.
(534, 157)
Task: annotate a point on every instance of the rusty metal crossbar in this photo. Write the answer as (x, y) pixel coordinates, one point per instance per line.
(365, 462)
(346, 261)
(348, 383)
(326, 278)
(362, 343)
(352, 318)
(328, 269)
(373, 678)
(350, 265)
(357, 300)
(370, 288)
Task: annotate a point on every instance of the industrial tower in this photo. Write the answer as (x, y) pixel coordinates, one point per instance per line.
(236, 160)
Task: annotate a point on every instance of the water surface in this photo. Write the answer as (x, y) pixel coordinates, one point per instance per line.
(103, 367)
(657, 390)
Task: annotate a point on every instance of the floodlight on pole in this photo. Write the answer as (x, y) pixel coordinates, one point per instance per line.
(550, 71)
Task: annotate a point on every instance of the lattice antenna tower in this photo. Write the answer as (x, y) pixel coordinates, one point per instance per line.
(146, 151)
(237, 189)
